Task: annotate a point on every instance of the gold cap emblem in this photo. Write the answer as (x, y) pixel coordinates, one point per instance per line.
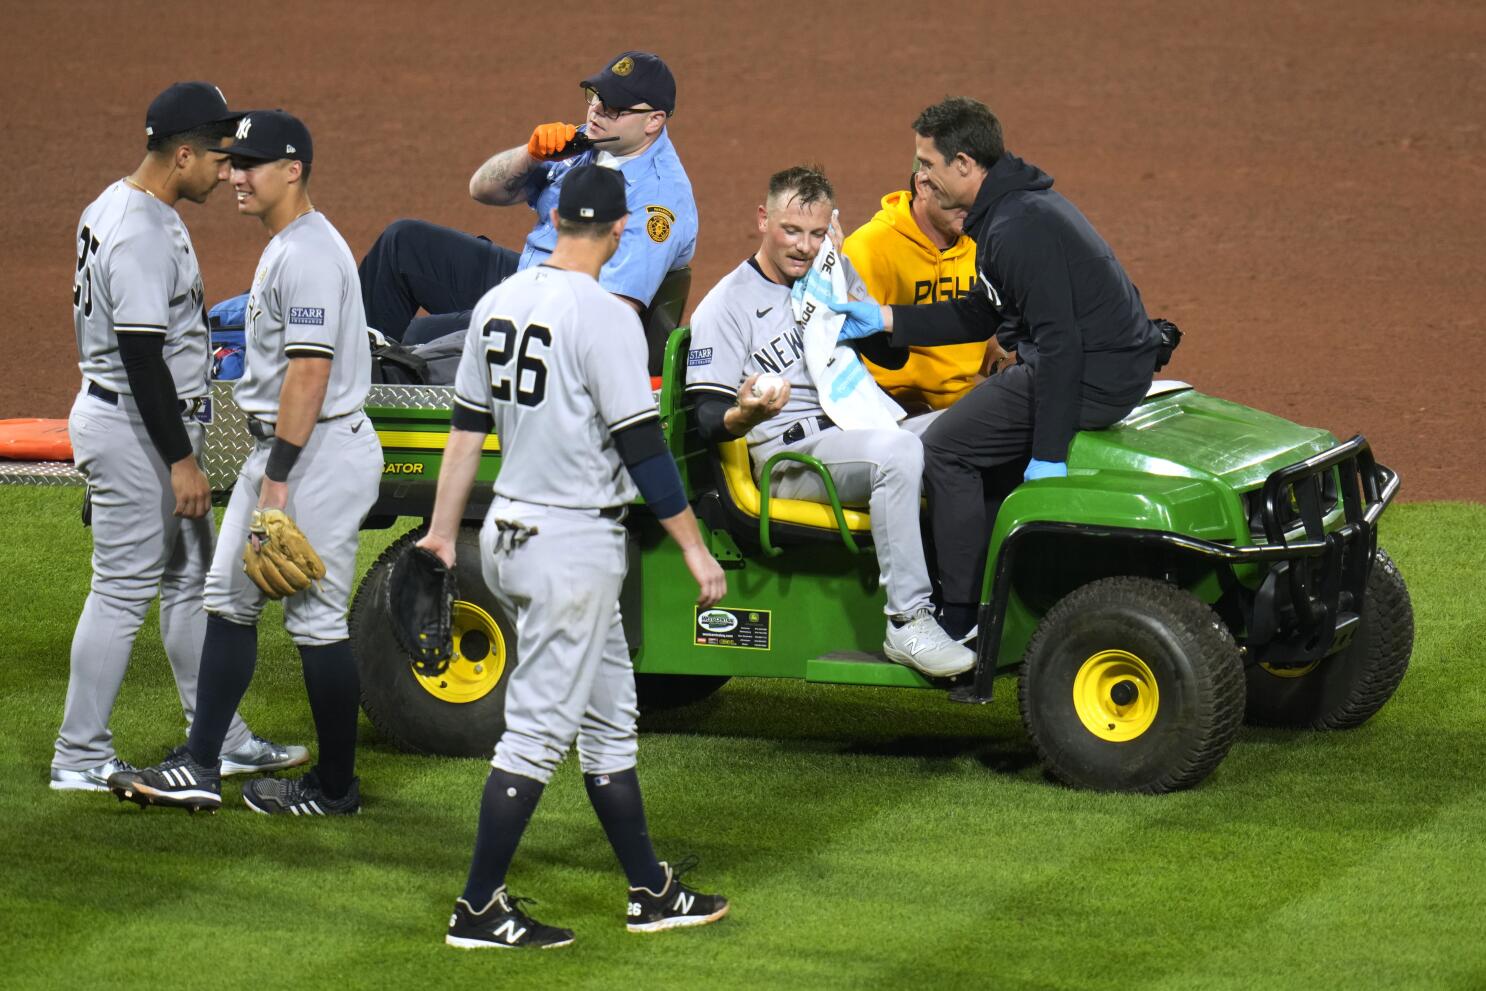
(623, 67)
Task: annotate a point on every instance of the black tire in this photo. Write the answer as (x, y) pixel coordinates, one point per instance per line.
(1347, 688)
(427, 715)
(1162, 740)
(659, 692)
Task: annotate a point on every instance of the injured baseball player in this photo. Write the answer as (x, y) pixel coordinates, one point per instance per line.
(764, 318)
(555, 365)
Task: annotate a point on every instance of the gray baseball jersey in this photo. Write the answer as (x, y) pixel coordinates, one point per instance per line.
(136, 273)
(559, 363)
(744, 326)
(306, 302)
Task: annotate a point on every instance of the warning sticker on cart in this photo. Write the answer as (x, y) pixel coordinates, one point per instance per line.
(744, 628)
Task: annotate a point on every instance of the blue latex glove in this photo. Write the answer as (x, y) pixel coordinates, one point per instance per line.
(862, 319)
(1046, 469)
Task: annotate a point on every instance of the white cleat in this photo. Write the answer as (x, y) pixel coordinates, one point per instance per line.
(89, 778)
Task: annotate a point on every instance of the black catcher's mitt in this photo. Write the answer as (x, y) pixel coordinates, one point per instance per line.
(420, 600)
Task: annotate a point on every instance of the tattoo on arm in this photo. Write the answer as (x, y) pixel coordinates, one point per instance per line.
(502, 179)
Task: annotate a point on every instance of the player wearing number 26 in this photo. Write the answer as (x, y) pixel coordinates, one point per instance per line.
(556, 366)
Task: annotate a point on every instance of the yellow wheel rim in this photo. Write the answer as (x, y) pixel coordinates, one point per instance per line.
(1115, 696)
(479, 658)
(1291, 672)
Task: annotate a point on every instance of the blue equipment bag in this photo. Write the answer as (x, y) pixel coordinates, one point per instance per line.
(227, 321)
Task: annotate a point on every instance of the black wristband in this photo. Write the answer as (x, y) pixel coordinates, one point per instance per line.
(281, 460)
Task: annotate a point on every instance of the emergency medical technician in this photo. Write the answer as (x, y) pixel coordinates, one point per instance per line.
(628, 104)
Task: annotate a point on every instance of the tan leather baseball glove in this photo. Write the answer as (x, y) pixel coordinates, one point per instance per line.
(281, 560)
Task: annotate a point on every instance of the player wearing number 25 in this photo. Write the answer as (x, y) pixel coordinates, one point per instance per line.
(142, 341)
(415, 264)
(307, 370)
(556, 367)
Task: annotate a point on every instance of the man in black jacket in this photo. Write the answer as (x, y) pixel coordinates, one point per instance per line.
(1051, 289)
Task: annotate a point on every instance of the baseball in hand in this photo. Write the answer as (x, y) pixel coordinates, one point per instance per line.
(768, 386)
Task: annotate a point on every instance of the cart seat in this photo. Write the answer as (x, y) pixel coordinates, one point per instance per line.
(737, 477)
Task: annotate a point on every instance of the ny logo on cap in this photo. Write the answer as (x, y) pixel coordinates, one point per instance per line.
(243, 127)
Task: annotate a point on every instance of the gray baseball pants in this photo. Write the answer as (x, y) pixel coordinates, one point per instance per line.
(880, 469)
(558, 572)
(332, 487)
(140, 549)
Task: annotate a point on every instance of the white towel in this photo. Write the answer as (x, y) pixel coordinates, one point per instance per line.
(848, 393)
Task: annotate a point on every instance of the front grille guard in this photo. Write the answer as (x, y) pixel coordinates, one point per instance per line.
(1310, 599)
(1307, 607)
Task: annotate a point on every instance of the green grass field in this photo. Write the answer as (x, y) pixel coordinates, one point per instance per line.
(867, 838)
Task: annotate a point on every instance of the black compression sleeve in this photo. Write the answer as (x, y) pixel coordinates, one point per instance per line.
(649, 462)
(641, 441)
(154, 394)
(464, 418)
(879, 350)
(962, 320)
(709, 412)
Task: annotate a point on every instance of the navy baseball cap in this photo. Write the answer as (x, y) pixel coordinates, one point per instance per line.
(185, 107)
(592, 193)
(269, 135)
(633, 78)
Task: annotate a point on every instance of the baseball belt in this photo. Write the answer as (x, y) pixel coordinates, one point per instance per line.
(796, 433)
(186, 407)
(263, 430)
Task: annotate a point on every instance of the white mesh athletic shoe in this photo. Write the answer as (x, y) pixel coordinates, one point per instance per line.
(89, 778)
(922, 644)
(259, 754)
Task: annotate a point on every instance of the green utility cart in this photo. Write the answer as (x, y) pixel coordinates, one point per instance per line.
(1202, 563)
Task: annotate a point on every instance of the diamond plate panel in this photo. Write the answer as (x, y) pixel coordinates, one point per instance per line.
(228, 442)
(40, 473)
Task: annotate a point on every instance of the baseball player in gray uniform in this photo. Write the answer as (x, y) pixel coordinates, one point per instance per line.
(307, 371)
(136, 435)
(743, 328)
(554, 364)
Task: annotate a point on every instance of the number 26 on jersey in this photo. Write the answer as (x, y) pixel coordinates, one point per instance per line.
(517, 357)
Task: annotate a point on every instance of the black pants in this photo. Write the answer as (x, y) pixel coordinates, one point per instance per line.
(415, 264)
(985, 430)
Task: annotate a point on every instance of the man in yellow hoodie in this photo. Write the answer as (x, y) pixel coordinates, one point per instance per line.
(915, 251)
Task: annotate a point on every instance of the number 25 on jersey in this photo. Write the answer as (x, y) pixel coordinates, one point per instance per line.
(82, 289)
(517, 356)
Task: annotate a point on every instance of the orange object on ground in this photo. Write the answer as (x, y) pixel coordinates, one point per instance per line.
(35, 440)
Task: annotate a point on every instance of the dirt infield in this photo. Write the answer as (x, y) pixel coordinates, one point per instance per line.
(1301, 187)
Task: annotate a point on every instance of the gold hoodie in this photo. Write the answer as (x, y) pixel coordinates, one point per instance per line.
(901, 266)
